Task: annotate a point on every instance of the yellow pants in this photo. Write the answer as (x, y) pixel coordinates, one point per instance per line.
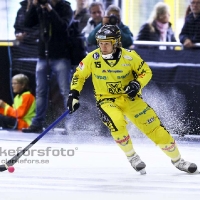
(112, 113)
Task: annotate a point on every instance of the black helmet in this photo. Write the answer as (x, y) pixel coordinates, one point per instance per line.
(109, 33)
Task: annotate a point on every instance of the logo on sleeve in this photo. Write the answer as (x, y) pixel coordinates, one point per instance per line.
(96, 56)
(128, 57)
(81, 66)
(140, 66)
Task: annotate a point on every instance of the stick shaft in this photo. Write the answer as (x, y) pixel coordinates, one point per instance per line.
(14, 159)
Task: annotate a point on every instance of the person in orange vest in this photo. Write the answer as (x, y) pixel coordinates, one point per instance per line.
(20, 114)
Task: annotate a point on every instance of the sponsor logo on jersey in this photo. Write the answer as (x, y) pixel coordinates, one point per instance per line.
(111, 63)
(143, 112)
(104, 71)
(140, 66)
(111, 126)
(81, 66)
(149, 121)
(123, 141)
(114, 71)
(107, 120)
(124, 76)
(101, 77)
(75, 80)
(143, 73)
(114, 87)
(96, 56)
(128, 57)
(126, 64)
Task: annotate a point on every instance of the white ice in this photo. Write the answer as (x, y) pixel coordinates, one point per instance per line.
(98, 171)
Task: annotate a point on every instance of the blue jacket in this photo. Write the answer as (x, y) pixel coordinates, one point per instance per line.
(32, 34)
(126, 35)
(191, 29)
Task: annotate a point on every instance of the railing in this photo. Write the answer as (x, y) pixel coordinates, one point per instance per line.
(9, 42)
(137, 43)
(157, 43)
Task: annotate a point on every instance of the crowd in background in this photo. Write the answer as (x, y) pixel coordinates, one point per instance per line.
(42, 27)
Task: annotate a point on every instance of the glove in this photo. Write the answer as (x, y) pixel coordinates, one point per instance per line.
(73, 101)
(132, 88)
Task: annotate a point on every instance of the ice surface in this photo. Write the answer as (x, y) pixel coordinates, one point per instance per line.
(98, 171)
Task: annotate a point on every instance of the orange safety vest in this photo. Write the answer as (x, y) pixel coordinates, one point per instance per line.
(23, 109)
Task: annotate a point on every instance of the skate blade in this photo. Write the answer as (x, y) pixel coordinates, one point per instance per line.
(142, 171)
(196, 172)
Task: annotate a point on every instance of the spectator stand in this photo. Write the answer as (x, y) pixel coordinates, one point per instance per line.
(176, 79)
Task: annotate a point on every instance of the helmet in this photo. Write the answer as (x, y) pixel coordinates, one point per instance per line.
(109, 33)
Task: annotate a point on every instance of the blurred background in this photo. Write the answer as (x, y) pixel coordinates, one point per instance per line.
(173, 91)
(134, 14)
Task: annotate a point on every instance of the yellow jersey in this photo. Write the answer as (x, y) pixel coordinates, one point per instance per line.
(109, 77)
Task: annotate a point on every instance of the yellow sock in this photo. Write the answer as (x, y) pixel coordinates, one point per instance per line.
(171, 150)
(125, 143)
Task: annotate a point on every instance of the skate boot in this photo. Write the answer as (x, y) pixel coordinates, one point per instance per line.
(137, 164)
(185, 166)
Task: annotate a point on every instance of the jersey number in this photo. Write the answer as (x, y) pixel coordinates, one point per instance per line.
(98, 64)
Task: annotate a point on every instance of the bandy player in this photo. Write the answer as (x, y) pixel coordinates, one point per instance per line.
(118, 76)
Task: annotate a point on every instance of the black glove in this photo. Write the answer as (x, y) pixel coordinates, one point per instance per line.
(72, 102)
(132, 88)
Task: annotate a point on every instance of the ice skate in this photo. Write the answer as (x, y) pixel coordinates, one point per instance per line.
(185, 166)
(137, 164)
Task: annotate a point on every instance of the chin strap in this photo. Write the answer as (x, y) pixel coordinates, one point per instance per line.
(108, 56)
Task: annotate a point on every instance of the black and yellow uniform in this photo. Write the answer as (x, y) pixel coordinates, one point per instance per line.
(109, 78)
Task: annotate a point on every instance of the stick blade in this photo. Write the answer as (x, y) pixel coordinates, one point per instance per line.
(3, 168)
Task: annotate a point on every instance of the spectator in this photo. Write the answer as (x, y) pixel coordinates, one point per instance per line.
(81, 13)
(96, 10)
(190, 32)
(158, 27)
(54, 19)
(22, 33)
(28, 39)
(118, 92)
(115, 12)
(188, 11)
(20, 114)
